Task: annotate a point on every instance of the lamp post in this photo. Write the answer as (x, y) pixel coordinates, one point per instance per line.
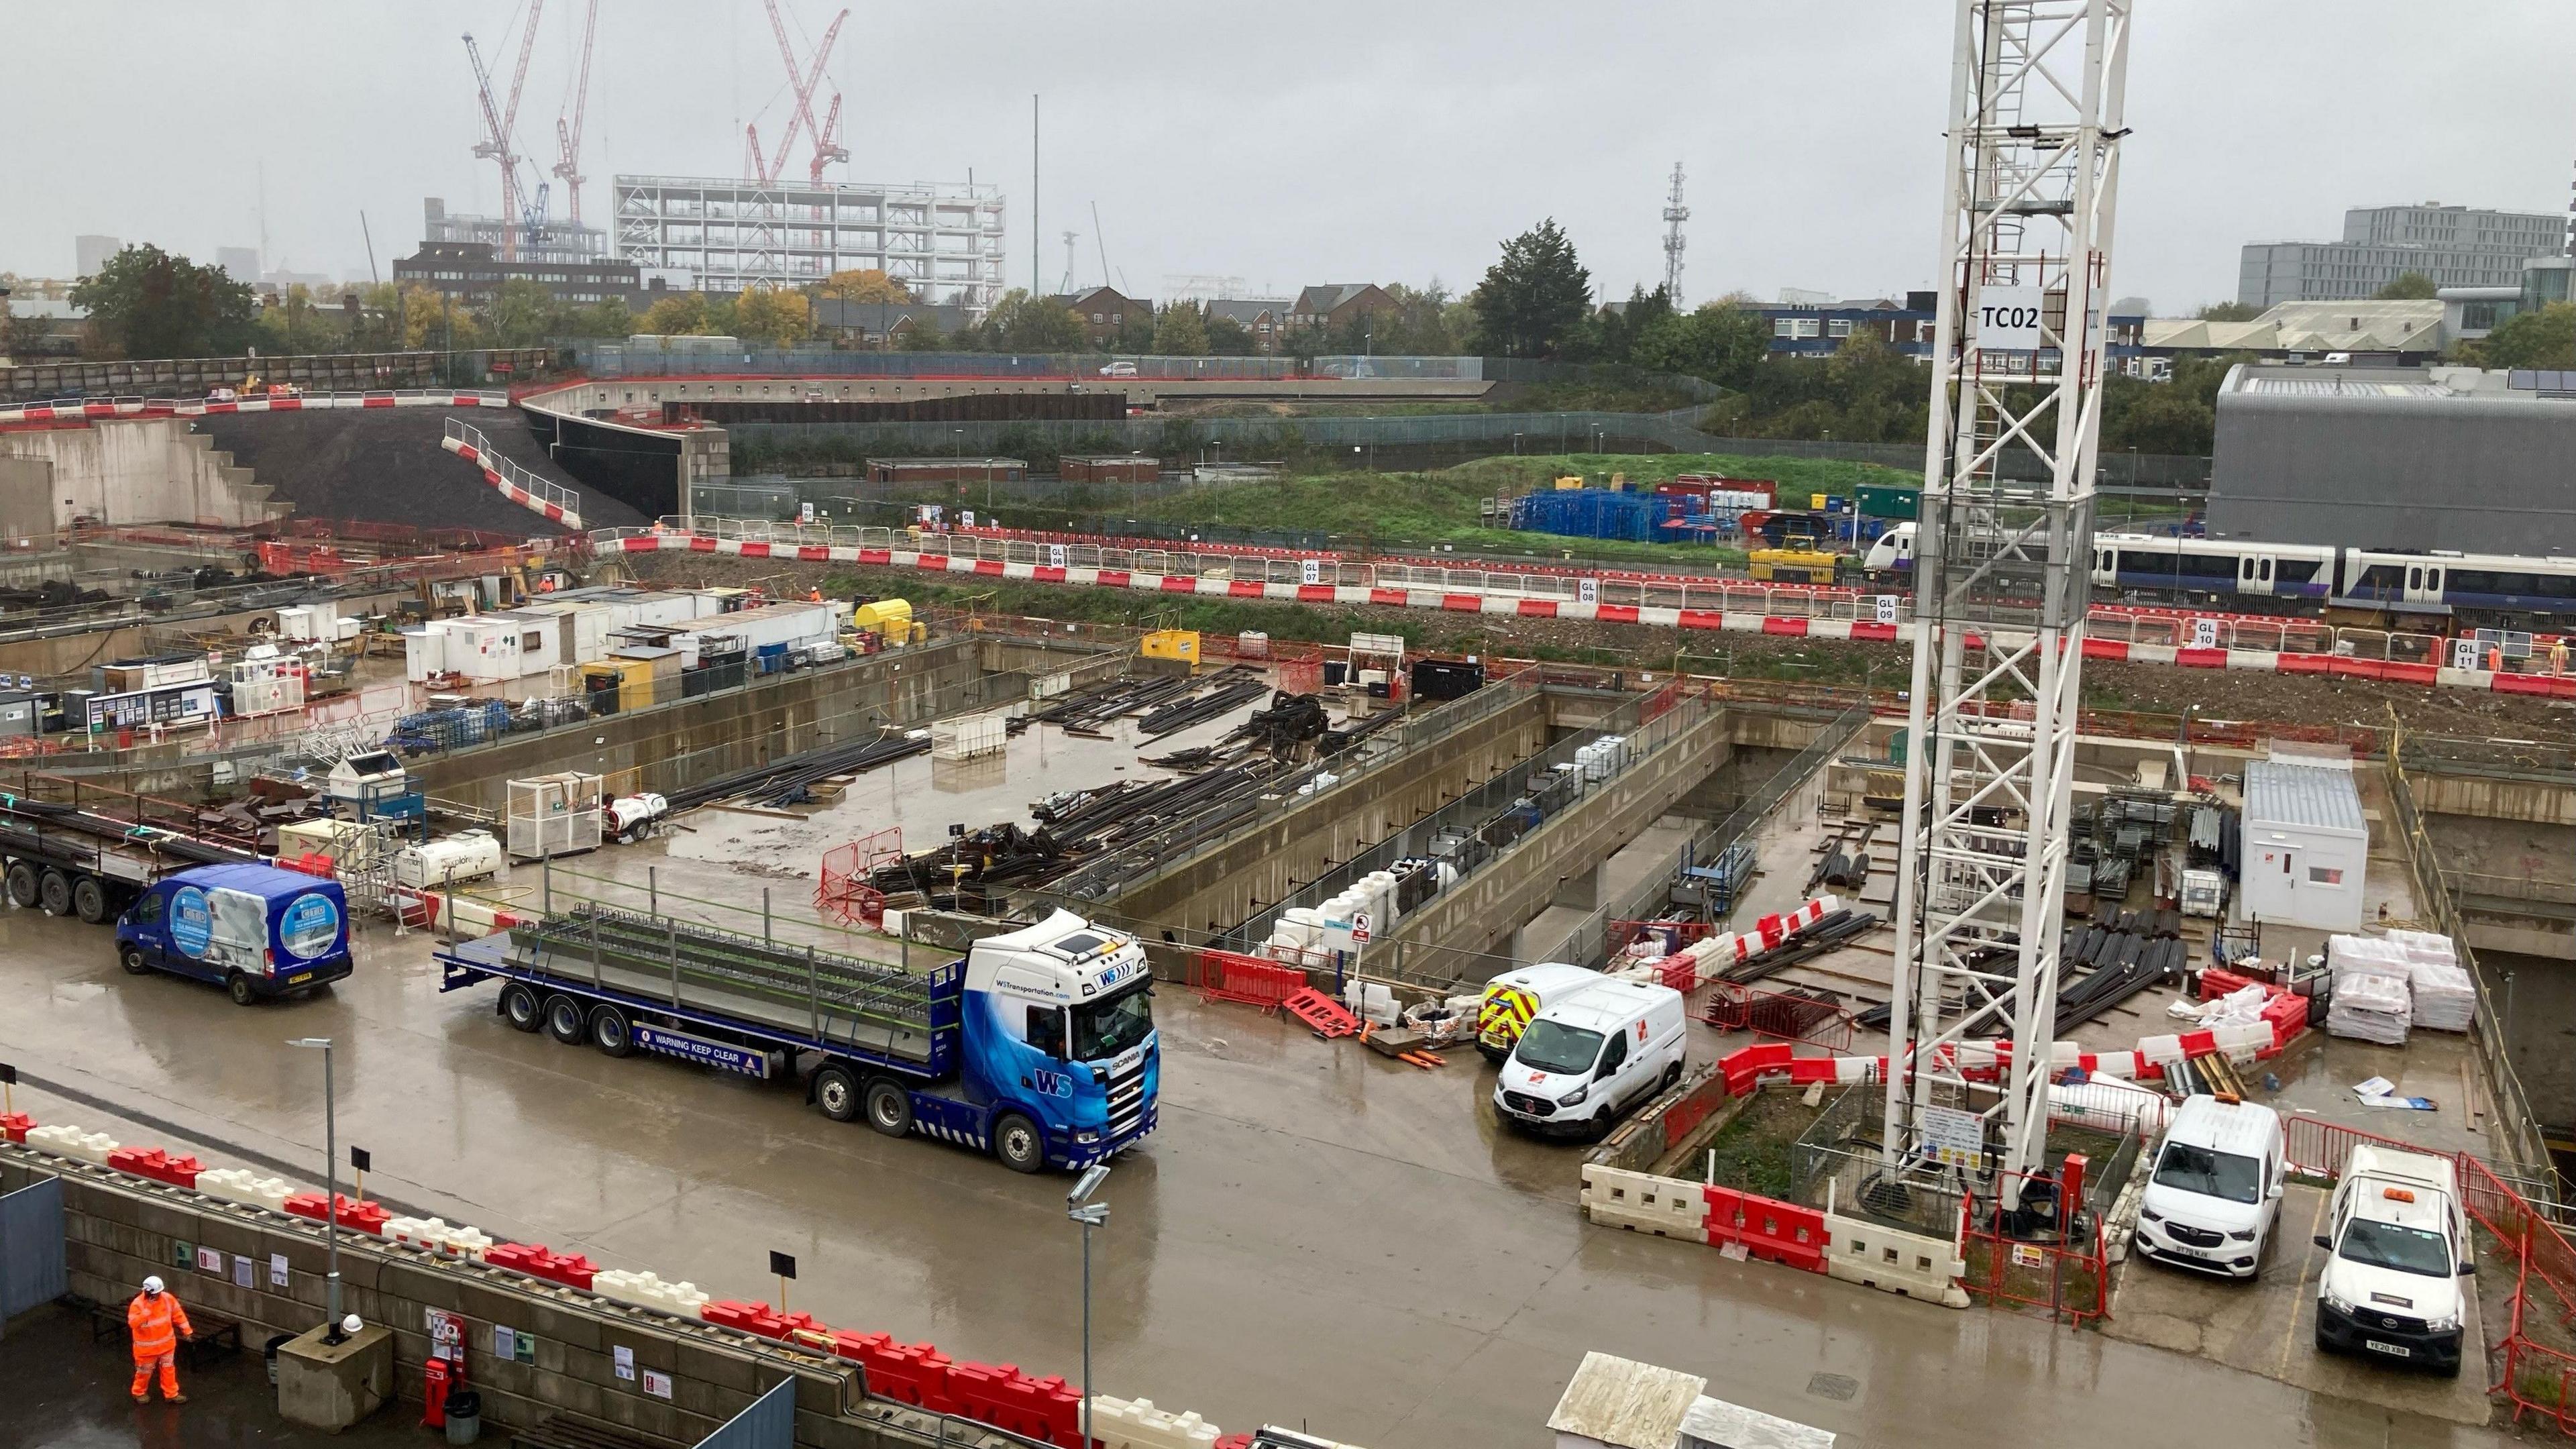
(1079, 1207)
(330, 1182)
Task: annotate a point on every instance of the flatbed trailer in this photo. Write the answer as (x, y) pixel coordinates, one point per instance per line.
(866, 1038)
(71, 861)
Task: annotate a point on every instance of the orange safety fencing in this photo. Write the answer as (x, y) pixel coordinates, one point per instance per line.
(2068, 1279)
(842, 892)
(1232, 976)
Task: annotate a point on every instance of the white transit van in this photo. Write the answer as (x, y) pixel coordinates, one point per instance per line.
(2215, 1189)
(2398, 1248)
(1587, 1059)
(1514, 997)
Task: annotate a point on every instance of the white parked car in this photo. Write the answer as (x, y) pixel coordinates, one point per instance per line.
(2215, 1188)
(1119, 369)
(1585, 1061)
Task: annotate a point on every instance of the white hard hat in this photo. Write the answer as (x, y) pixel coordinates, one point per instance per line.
(351, 1324)
(152, 1284)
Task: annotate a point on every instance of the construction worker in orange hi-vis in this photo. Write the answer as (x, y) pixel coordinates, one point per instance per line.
(157, 1320)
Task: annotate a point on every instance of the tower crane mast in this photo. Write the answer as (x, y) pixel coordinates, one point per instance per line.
(2038, 92)
(500, 122)
(568, 135)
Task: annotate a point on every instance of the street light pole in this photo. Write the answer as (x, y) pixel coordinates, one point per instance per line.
(1080, 1208)
(330, 1183)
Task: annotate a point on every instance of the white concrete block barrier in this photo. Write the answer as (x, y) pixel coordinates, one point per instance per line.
(72, 1142)
(1667, 1207)
(1136, 1424)
(1893, 1260)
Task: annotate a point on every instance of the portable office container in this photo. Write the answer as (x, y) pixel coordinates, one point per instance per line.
(2306, 846)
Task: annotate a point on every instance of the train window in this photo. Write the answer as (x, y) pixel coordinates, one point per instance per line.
(2555, 586)
(2379, 578)
(2297, 570)
(2206, 566)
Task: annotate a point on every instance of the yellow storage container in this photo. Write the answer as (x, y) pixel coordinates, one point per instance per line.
(1172, 644)
(1574, 482)
(888, 619)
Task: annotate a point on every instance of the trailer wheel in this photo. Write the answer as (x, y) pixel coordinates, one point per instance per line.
(89, 899)
(519, 1004)
(237, 986)
(1017, 1142)
(889, 1107)
(132, 959)
(564, 1020)
(837, 1093)
(54, 893)
(610, 1033)
(22, 883)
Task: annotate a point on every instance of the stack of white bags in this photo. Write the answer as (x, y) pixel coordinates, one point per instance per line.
(2373, 990)
(2445, 997)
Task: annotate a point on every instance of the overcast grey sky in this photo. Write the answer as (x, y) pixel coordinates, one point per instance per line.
(1323, 141)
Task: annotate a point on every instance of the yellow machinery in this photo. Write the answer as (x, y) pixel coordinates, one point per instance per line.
(1794, 565)
(888, 619)
(1182, 644)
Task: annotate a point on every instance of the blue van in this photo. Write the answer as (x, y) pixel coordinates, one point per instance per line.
(256, 930)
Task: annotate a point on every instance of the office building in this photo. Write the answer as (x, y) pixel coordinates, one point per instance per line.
(554, 240)
(470, 273)
(942, 241)
(93, 252)
(2455, 246)
(239, 263)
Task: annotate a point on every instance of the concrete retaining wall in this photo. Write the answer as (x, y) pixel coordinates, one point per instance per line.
(2489, 797)
(118, 1233)
(1216, 890)
(1484, 910)
(673, 745)
(144, 470)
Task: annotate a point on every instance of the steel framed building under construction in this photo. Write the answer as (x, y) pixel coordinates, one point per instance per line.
(943, 240)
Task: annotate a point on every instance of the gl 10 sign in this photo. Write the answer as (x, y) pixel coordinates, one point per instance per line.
(2008, 319)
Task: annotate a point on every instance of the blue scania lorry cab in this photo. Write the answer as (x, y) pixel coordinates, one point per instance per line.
(256, 930)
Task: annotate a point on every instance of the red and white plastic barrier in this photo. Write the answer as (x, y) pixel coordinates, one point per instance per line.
(75, 409)
(515, 483)
(1468, 601)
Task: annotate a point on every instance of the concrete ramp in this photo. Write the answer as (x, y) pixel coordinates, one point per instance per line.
(387, 465)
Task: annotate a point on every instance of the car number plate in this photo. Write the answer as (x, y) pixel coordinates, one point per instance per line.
(2397, 1350)
(299, 977)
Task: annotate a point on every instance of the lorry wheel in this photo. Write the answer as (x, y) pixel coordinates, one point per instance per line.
(1017, 1142)
(889, 1107)
(519, 1004)
(564, 1020)
(237, 986)
(837, 1093)
(610, 1033)
(22, 883)
(54, 893)
(131, 958)
(89, 900)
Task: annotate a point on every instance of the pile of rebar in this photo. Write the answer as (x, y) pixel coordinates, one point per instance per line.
(1226, 691)
(785, 781)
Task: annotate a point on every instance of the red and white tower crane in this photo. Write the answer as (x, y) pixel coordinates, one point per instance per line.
(568, 134)
(500, 121)
(2037, 94)
(801, 81)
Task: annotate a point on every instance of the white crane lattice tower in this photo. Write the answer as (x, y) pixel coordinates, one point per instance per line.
(2037, 89)
(1674, 215)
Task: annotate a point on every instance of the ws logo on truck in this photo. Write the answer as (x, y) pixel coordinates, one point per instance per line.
(1052, 1084)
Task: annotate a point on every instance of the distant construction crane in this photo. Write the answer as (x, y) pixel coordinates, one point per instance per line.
(801, 81)
(1674, 215)
(568, 134)
(500, 121)
(2037, 96)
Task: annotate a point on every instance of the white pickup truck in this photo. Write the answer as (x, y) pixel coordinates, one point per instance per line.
(2398, 1248)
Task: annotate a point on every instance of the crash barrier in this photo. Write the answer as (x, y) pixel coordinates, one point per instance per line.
(1745, 608)
(517, 484)
(1044, 1410)
(1232, 976)
(1892, 1260)
(1137, 1424)
(161, 407)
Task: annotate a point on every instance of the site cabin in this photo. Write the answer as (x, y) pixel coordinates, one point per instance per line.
(255, 930)
(2305, 846)
(1038, 1046)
